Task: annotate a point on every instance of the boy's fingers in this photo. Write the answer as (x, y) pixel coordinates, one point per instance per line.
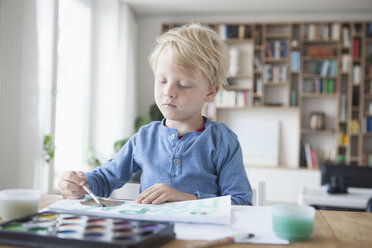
(154, 195)
(162, 198)
(73, 194)
(74, 177)
(67, 185)
(145, 193)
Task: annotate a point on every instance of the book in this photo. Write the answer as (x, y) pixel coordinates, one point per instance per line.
(345, 62)
(325, 66)
(232, 31)
(269, 50)
(346, 36)
(356, 74)
(257, 63)
(332, 71)
(242, 32)
(335, 31)
(295, 61)
(308, 155)
(331, 86)
(356, 48)
(311, 32)
(283, 49)
(314, 158)
(222, 31)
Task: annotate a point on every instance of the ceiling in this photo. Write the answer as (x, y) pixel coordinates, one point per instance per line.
(153, 7)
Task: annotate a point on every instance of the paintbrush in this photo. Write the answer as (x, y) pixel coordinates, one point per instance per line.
(85, 187)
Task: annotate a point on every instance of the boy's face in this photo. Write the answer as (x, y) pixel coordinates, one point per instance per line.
(179, 95)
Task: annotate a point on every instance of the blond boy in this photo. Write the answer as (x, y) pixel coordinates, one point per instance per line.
(186, 156)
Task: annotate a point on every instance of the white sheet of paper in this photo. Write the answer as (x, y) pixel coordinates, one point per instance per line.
(212, 210)
(244, 220)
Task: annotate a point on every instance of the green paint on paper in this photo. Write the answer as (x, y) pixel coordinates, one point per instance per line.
(142, 211)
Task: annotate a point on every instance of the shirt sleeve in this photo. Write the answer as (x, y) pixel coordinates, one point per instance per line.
(232, 178)
(115, 172)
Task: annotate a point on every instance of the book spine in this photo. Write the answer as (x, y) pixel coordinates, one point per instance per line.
(356, 48)
(314, 158)
(308, 156)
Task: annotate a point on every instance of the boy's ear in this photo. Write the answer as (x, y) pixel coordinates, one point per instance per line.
(212, 93)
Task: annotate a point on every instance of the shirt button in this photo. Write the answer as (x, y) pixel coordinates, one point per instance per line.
(176, 161)
(173, 136)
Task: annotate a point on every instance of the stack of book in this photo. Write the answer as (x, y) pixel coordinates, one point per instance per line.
(277, 49)
(232, 98)
(275, 73)
(312, 161)
(319, 86)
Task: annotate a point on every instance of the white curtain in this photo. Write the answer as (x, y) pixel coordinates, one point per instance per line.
(113, 88)
(20, 143)
(26, 108)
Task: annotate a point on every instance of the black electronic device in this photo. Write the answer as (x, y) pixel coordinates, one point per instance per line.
(340, 177)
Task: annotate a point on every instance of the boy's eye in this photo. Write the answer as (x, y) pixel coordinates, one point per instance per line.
(184, 86)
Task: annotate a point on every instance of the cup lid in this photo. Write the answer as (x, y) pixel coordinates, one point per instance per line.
(20, 194)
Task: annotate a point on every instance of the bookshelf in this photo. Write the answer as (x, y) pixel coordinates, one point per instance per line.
(304, 65)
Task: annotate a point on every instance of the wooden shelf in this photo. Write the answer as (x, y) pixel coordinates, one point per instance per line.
(315, 95)
(318, 76)
(313, 58)
(277, 36)
(354, 158)
(238, 41)
(321, 41)
(276, 84)
(276, 60)
(237, 87)
(240, 76)
(324, 131)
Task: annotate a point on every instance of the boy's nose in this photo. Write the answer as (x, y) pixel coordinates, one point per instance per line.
(170, 90)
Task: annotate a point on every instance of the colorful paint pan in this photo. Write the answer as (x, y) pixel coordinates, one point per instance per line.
(94, 235)
(83, 231)
(39, 230)
(13, 227)
(97, 221)
(48, 217)
(47, 223)
(95, 228)
(122, 224)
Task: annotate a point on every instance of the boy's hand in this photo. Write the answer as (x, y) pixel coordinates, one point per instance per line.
(160, 192)
(70, 184)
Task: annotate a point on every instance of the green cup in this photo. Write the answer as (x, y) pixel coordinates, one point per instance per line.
(293, 223)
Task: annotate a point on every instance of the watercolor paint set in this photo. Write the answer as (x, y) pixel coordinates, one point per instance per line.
(52, 229)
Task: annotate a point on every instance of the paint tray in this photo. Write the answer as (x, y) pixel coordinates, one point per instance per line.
(52, 229)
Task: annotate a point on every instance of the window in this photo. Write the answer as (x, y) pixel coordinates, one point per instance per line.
(72, 90)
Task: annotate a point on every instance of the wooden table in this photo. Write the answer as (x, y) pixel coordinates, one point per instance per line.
(331, 229)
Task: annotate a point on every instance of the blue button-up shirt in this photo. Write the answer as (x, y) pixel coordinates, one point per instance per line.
(207, 164)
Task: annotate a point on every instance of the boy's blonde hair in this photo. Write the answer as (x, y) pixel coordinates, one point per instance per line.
(196, 48)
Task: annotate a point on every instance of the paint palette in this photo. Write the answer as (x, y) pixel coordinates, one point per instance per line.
(52, 229)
